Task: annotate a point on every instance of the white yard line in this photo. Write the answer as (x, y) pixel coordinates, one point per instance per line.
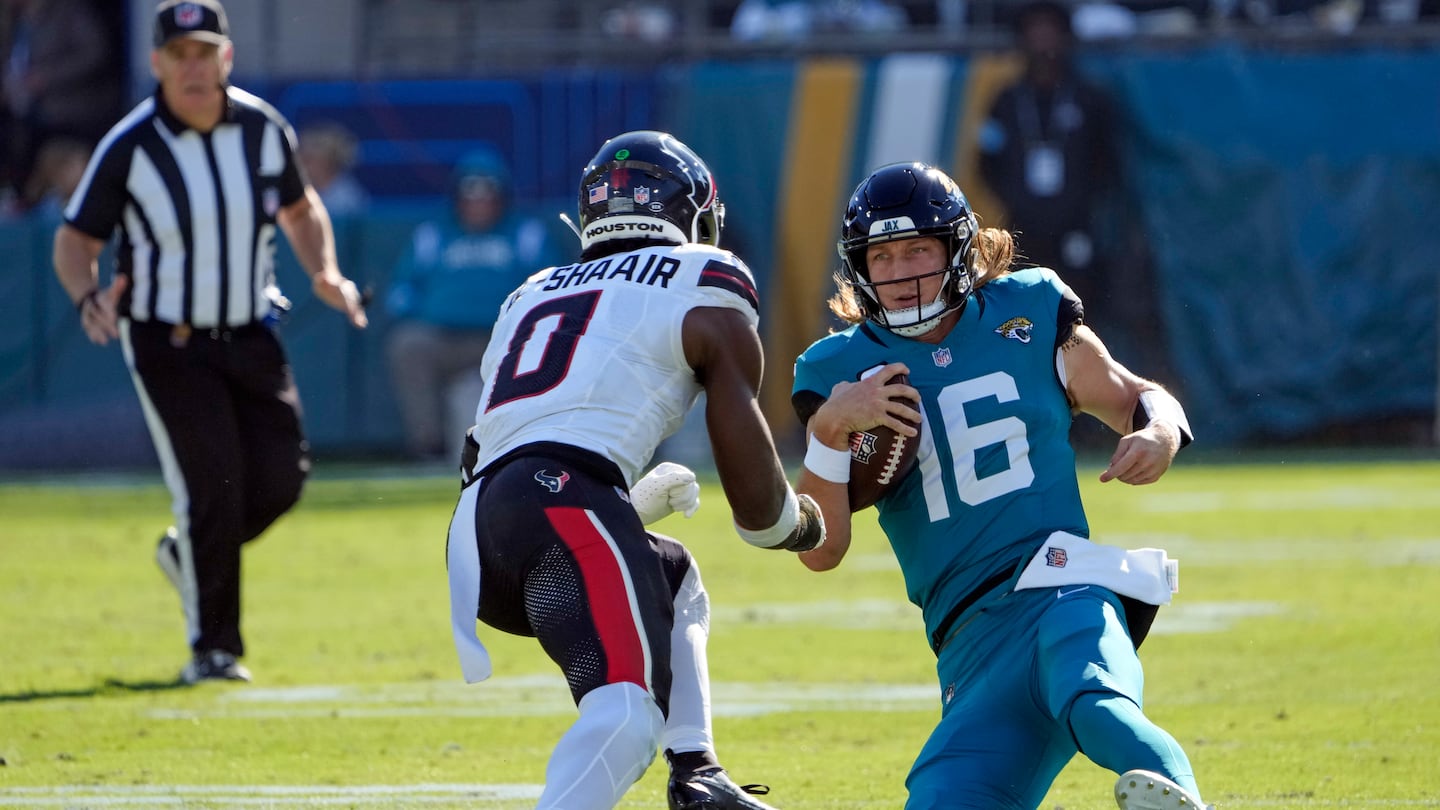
(545, 695)
(881, 614)
(537, 696)
(1278, 499)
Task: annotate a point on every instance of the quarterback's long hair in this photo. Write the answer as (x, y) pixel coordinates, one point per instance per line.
(994, 256)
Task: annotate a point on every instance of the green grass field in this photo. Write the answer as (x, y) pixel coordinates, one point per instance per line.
(1299, 665)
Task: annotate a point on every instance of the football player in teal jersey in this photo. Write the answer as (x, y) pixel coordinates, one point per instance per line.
(1034, 627)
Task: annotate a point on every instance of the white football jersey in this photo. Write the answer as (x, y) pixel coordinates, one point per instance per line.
(590, 354)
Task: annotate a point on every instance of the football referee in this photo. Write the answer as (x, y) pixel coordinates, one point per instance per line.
(194, 182)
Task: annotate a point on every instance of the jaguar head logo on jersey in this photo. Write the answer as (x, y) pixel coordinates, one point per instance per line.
(1016, 329)
(552, 482)
(862, 446)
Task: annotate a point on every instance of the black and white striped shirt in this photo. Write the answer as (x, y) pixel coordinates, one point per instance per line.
(195, 211)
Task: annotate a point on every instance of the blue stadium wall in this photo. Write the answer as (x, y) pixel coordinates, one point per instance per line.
(1287, 200)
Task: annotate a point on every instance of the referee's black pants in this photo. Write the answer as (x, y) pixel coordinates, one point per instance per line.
(224, 414)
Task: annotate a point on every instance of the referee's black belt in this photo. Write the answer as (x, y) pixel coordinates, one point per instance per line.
(942, 632)
(180, 333)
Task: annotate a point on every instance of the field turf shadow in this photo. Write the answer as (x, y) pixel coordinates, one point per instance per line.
(110, 687)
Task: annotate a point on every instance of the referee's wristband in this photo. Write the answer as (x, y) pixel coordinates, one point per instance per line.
(826, 462)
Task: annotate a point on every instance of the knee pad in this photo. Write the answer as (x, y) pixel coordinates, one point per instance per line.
(627, 721)
(608, 749)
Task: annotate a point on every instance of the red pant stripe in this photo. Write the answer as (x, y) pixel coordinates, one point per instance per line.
(608, 589)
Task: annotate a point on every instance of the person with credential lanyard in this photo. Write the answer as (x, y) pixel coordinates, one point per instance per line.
(1047, 151)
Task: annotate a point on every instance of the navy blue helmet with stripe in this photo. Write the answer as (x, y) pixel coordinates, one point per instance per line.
(905, 201)
(647, 185)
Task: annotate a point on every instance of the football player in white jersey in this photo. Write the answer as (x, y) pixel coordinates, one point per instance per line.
(591, 365)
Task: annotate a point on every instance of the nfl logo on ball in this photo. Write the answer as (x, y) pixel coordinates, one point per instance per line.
(862, 447)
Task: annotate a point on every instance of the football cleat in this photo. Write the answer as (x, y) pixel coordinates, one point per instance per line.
(1147, 790)
(214, 665)
(711, 789)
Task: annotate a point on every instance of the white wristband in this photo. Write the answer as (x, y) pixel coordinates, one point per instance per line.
(775, 535)
(826, 462)
(1161, 405)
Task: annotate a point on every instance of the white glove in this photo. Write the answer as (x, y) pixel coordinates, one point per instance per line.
(670, 487)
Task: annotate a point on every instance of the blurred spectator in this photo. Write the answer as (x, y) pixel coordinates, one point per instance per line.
(1099, 19)
(790, 20)
(1334, 16)
(327, 154)
(1047, 150)
(1112, 19)
(1399, 12)
(59, 166)
(768, 20)
(447, 291)
(641, 21)
(61, 79)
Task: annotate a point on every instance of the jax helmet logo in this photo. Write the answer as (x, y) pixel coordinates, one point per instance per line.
(893, 225)
(1016, 329)
(552, 482)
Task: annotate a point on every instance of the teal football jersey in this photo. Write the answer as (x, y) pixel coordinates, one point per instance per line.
(996, 472)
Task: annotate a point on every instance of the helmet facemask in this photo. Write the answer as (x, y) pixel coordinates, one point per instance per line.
(907, 201)
(957, 280)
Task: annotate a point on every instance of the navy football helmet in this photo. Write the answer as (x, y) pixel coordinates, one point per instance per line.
(648, 185)
(904, 201)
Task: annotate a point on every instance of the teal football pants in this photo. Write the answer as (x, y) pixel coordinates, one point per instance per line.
(1010, 679)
